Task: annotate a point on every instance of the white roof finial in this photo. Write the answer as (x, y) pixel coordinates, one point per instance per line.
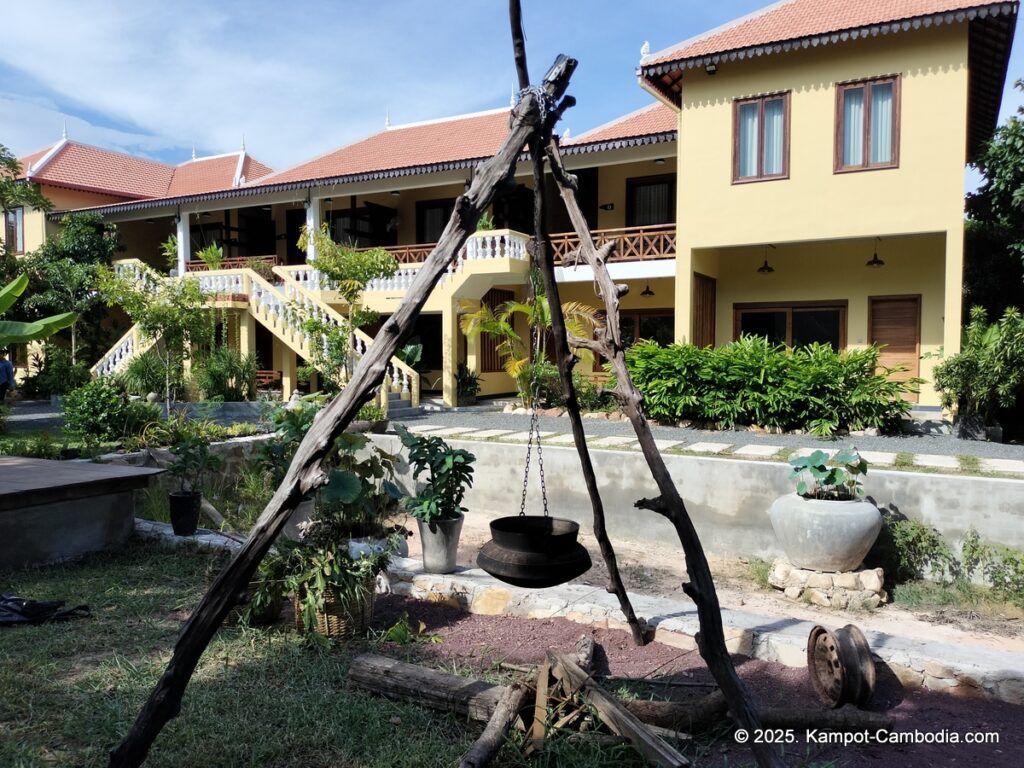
(512, 99)
(387, 118)
(645, 49)
(193, 151)
(565, 134)
(64, 133)
(243, 143)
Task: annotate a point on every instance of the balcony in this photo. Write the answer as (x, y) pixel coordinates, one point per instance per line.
(656, 241)
(238, 262)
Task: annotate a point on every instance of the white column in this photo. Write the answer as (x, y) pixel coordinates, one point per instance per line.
(184, 243)
(312, 225)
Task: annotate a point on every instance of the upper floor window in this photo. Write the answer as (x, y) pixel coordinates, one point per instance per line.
(431, 219)
(651, 200)
(14, 230)
(867, 124)
(761, 138)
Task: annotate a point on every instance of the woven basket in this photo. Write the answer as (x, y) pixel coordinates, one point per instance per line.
(341, 619)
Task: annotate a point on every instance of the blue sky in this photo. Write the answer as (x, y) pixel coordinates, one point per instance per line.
(300, 78)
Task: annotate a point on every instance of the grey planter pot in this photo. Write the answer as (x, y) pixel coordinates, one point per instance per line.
(821, 535)
(440, 542)
(300, 514)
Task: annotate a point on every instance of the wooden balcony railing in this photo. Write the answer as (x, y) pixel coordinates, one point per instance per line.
(410, 254)
(631, 243)
(237, 262)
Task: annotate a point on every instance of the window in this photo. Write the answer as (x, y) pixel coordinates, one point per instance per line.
(867, 125)
(651, 200)
(795, 325)
(431, 218)
(761, 138)
(14, 230)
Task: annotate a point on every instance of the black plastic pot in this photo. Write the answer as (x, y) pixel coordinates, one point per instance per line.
(185, 511)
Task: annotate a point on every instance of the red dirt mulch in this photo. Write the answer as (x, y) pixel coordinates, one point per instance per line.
(481, 642)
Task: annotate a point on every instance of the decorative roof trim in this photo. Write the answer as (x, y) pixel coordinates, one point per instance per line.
(238, 179)
(39, 164)
(827, 38)
(330, 181)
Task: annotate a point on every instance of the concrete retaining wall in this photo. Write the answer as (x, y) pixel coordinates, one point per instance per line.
(728, 499)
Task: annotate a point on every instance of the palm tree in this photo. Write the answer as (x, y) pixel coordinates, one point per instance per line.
(580, 320)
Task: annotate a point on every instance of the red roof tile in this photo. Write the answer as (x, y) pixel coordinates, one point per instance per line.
(652, 119)
(458, 138)
(794, 19)
(82, 166)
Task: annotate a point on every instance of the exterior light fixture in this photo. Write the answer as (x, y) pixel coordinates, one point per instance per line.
(265, 208)
(395, 193)
(328, 199)
(874, 262)
(660, 161)
(149, 221)
(607, 207)
(647, 291)
(711, 69)
(766, 268)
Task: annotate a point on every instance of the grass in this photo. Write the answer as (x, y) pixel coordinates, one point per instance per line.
(970, 464)
(904, 460)
(759, 570)
(69, 692)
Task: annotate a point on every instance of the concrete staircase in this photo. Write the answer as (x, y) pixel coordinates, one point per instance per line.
(402, 409)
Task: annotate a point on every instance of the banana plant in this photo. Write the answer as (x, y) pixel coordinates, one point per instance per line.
(15, 332)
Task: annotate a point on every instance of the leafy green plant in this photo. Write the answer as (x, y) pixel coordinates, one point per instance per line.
(146, 373)
(212, 256)
(224, 374)
(988, 372)
(411, 353)
(819, 478)
(100, 412)
(192, 460)
(16, 332)
(589, 395)
(360, 491)
(752, 381)
(467, 382)
(485, 223)
(449, 474)
(402, 633)
(56, 373)
(370, 412)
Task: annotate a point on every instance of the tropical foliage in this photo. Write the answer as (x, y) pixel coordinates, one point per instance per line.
(838, 479)
(754, 382)
(17, 194)
(225, 374)
(16, 332)
(449, 474)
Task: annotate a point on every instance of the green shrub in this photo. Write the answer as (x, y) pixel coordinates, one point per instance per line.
(55, 374)
(988, 373)
(589, 395)
(225, 374)
(101, 412)
(147, 373)
(752, 381)
(920, 551)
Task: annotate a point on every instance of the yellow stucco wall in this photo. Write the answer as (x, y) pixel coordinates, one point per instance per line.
(923, 195)
(611, 186)
(37, 228)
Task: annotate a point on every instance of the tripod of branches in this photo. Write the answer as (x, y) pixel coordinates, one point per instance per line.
(533, 120)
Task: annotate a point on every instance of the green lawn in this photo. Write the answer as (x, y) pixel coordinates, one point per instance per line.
(68, 692)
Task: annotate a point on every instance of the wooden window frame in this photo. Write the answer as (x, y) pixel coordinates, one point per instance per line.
(635, 181)
(760, 100)
(12, 247)
(788, 307)
(867, 84)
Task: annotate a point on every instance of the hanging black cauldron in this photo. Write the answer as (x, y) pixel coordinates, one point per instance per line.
(533, 551)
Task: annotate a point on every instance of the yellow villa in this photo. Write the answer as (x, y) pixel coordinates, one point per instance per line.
(800, 176)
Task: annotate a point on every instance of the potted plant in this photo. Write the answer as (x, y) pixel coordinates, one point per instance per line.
(370, 418)
(192, 459)
(467, 385)
(437, 507)
(825, 525)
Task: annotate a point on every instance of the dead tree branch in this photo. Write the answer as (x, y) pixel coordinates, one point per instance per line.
(486, 747)
(306, 475)
(701, 587)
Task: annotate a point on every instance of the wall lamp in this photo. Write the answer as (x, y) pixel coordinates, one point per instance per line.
(660, 161)
(711, 68)
(607, 207)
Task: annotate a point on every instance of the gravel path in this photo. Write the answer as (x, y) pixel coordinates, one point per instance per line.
(948, 445)
(477, 643)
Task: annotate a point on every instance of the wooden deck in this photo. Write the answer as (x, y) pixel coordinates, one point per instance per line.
(32, 482)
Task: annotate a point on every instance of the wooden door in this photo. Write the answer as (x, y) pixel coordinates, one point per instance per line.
(895, 322)
(704, 291)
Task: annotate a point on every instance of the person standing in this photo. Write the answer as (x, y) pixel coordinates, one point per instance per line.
(6, 375)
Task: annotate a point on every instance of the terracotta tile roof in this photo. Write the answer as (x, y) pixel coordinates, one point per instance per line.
(794, 19)
(652, 119)
(83, 166)
(441, 141)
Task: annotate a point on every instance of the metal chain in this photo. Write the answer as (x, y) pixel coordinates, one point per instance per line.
(534, 430)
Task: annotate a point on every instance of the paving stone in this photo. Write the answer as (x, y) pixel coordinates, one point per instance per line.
(664, 445)
(801, 452)
(878, 457)
(755, 449)
(1002, 465)
(563, 440)
(522, 437)
(615, 441)
(447, 431)
(420, 428)
(937, 461)
(708, 447)
(486, 434)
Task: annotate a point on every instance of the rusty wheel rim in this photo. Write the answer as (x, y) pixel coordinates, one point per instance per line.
(825, 666)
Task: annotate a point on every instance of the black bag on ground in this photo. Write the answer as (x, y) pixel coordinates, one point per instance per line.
(22, 610)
